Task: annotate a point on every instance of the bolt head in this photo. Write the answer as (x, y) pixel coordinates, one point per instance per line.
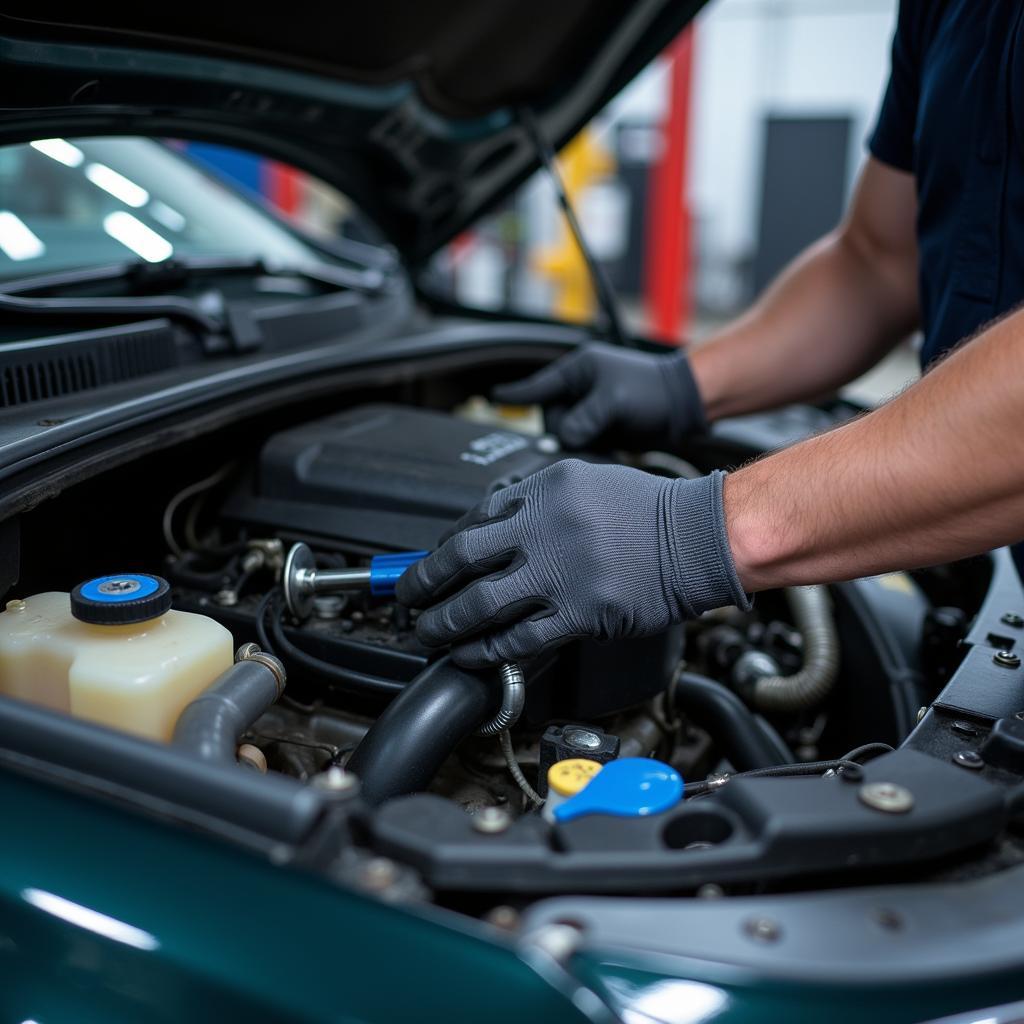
(968, 759)
(336, 780)
(585, 739)
(1012, 619)
(504, 917)
(889, 797)
(226, 598)
(491, 820)
(762, 929)
(1006, 659)
(378, 873)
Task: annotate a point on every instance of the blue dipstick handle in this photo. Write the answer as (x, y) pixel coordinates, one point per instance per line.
(385, 570)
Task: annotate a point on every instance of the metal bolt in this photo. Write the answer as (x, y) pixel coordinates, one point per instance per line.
(1007, 659)
(336, 780)
(17, 605)
(583, 738)
(246, 651)
(889, 797)
(491, 820)
(921, 712)
(763, 929)
(328, 606)
(226, 598)
(119, 587)
(504, 917)
(1012, 619)
(378, 873)
(968, 759)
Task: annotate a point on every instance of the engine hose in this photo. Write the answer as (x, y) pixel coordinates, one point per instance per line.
(513, 700)
(808, 687)
(404, 749)
(271, 636)
(747, 741)
(210, 727)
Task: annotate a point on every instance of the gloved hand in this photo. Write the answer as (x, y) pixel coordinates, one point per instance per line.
(620, 396)
(575, 550)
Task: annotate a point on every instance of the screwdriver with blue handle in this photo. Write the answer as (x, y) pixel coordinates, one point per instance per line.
(302, 581)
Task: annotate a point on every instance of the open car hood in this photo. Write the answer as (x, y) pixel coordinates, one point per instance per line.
(412, 110)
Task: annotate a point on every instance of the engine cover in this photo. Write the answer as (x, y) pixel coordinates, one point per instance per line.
(385, 477)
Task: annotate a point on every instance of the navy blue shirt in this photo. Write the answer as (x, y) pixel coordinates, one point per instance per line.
(953, 115)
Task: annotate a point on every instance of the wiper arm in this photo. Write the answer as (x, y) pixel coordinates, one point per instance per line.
(16, 305)
(178, 270)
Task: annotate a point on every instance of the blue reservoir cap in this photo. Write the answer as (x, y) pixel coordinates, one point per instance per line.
(631, 787)
(121, 600)
(386, 569)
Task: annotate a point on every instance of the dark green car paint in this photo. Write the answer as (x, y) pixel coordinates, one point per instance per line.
(684, 991)
(207, 932)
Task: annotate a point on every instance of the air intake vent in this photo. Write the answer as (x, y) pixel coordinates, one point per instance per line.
(48, 368)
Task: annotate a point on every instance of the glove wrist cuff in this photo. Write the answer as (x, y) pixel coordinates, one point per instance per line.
(686, 413)
(702, 569)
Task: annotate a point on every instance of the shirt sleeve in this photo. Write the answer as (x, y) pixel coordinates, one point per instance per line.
(892, 140)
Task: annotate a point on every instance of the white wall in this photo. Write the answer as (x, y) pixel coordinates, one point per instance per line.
(760, 57)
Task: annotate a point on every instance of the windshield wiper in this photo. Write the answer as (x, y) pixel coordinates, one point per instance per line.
(181, 269)
(18, 304)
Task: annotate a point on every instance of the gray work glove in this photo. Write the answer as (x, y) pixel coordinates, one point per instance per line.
(575, 550)
(622, 397)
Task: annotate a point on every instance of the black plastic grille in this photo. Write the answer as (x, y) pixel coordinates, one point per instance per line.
(38, 371)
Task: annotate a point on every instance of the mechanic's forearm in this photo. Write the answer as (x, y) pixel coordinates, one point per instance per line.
(836, 311)
(827, 320)
(934, 475)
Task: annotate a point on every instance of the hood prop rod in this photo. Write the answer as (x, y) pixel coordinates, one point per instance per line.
(598, 278)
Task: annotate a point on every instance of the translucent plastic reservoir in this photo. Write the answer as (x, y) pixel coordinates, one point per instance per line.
(136, 677)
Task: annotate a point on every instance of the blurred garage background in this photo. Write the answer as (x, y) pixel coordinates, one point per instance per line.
(693, 187)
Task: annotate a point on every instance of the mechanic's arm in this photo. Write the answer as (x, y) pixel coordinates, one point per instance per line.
(934, 475)
(831, 315)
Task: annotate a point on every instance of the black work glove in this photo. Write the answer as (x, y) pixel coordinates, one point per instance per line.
(575, 550)
(621, 396)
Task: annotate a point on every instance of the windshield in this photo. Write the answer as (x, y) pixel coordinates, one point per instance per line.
(80, 202)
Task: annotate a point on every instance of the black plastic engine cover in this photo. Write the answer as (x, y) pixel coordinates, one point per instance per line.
(384, 476)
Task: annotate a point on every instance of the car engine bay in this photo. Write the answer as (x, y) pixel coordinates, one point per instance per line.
(801, 732)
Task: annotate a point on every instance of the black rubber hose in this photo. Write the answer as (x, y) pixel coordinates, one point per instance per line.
(745, 740)
(420, 728)
(271, 636)
(209, 727)
(86, 754)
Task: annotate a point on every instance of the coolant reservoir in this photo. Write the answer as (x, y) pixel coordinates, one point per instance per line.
(113, 652)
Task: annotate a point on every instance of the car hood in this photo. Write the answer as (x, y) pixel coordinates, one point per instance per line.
(412, 109)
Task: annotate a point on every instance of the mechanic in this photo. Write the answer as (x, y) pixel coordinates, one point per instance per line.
(934, 238)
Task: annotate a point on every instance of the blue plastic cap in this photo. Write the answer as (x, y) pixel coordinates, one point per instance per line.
(631, 787)
(121, 600)
(386, 569)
